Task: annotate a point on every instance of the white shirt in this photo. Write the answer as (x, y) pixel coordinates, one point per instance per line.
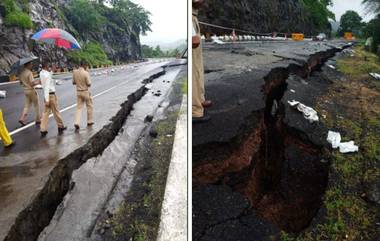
(48, 84)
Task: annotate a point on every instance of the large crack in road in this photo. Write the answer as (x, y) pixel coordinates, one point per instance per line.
(275, 167)
(37, 215)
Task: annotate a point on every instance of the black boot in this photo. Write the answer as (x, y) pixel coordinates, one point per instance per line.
(61, 129)
(11, 145)
(198, 120)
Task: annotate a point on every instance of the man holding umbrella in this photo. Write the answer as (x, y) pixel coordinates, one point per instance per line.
(31, 96)
(51, 100)
(62, 39)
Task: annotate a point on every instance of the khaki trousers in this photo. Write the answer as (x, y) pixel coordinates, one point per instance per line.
(4, 134)
(53, 107)
(198, 96)
(31, 98)
(84, 97)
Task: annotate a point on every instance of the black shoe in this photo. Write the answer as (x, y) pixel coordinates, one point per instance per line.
(22, 123)
(90, 124)
(76, 127)
(43, 134)
(11, 145)
(198, 120)
(61, 129)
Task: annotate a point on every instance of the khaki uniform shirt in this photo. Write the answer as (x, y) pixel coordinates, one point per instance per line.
(81, 78)
(26, 79)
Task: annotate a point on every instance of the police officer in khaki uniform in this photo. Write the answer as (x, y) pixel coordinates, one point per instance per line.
(198, 97)
(51, 101)
(31, 96)
(81, 78)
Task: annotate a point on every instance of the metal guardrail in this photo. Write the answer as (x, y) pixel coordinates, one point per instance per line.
(251, 36)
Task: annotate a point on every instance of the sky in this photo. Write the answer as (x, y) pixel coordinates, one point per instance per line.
(169, 20)
(341, 6)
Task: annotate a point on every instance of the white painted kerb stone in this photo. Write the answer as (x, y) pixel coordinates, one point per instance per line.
(173, 225)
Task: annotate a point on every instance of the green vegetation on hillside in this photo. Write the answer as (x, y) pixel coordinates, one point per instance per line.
(319, 13)
(91, 53)
(150, 52)
(92, 18)
(16, 14)
(83, 16)
(123, 17)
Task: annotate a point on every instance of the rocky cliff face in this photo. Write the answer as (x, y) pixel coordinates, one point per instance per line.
(16, 43)
(259, 16)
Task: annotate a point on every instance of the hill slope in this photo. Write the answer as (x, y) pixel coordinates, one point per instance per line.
(260, 16)
(120, 43)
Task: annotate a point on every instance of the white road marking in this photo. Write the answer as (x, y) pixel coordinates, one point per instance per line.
(9, 83)
(66, 109)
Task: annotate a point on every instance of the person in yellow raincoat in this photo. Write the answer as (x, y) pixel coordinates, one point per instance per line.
(4, 134)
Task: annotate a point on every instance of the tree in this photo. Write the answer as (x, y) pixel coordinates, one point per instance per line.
(83, 15)
(372, 6)
(351, 22)
(372, 28)
(134, 14)
(150, 52)
(16, 14)
(319, 13)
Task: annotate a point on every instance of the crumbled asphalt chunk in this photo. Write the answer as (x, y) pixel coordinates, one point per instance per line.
(153, 133)
(373, 192)
(221, 214)
(218, 203)
(148, 118)
(72, 185)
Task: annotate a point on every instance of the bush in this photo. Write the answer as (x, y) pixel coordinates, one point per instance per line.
(14, 16)
(83, 15)
(19, 19)
(372, 30)
(91, 53)
(9, 6)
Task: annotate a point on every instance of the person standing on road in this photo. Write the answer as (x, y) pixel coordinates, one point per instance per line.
(4, 134)
(198, 97)
(51, 101)
(31, 96)
(82, 80)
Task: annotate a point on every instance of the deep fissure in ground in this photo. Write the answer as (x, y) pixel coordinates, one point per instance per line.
(37, 215)
(280, 172)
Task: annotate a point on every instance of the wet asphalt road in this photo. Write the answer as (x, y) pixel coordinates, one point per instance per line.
(239, 81)
(24, 168)
(95, 179)
(13, 105)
